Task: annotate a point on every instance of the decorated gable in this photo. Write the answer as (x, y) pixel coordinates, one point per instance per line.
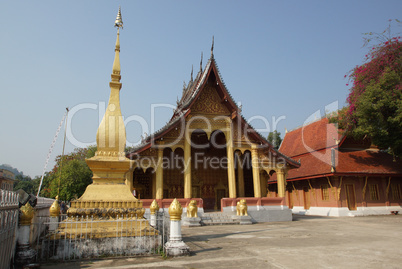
(209, 102)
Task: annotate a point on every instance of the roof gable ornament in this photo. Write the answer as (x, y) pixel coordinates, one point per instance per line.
(212, 47)
(192, 68)
(201, 63)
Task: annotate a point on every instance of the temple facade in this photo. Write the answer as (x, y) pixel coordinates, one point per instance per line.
(338, 176)
(207, 150)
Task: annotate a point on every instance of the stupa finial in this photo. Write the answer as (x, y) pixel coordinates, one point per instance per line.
(119, 21)
(116, 64)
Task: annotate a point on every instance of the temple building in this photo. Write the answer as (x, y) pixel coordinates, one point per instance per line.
(7, 179)
(207, 151)
(338, 176)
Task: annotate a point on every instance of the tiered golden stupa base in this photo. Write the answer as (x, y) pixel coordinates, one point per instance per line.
(101, 219)
(107, 208)
(90, 229)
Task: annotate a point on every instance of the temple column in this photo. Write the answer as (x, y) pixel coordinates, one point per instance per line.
(230, 155)
(240, 174)
(281, 182)
(256, 170)
(159, 175)
(187, 167)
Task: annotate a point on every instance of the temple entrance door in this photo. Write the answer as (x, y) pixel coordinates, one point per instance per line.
(209, 177)
(173, 176)
(350, 196)
(248, 175)
(142, 183)
(306, 196)
(220, 193)
(195, 192)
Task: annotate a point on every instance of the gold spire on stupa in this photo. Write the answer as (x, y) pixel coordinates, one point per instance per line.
(111, 135)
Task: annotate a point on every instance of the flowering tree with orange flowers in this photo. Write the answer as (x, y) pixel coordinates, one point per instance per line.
(374, 105)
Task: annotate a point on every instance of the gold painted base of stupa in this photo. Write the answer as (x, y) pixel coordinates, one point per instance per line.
(107, 208)
(91, 229)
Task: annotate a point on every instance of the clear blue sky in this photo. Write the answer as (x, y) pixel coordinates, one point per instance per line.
(278, 58)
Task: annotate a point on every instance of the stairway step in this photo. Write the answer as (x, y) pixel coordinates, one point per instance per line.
(217, 218)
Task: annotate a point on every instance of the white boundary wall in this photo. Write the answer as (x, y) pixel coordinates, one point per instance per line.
(345, 212)
(264, 213)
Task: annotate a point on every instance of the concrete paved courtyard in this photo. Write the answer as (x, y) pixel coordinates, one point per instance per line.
(307, 242)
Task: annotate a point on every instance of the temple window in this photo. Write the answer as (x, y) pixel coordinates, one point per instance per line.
(374, 192)
(396, 191)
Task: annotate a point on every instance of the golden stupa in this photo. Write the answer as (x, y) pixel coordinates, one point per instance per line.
(108, 197)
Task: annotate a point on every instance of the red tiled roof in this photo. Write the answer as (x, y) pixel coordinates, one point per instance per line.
(368, 161)
(312, 145)
(314, 136)
(356, 162)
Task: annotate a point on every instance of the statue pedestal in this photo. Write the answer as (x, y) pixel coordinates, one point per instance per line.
(243, 220)
(191, 222)
(152, 220)
(25, 254)
(177, 249)
(175, 246)
(53, 223)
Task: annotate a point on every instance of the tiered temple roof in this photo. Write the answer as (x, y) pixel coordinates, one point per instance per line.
(191, 92)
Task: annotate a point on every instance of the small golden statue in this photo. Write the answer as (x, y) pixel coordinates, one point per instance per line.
(54, 210)
(154, 208)
(192, 209)
(241, 208)
(26, 214)
(175, 210)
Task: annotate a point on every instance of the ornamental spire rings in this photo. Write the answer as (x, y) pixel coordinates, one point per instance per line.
(119, 21)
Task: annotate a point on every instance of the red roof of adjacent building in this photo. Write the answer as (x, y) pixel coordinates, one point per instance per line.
(311, 137)
(312, 145)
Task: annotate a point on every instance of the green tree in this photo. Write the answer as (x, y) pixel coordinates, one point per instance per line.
(74, 179)
(379, 112)
(374, 106)
(70, 176)
(26, 183)
(275, 139)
